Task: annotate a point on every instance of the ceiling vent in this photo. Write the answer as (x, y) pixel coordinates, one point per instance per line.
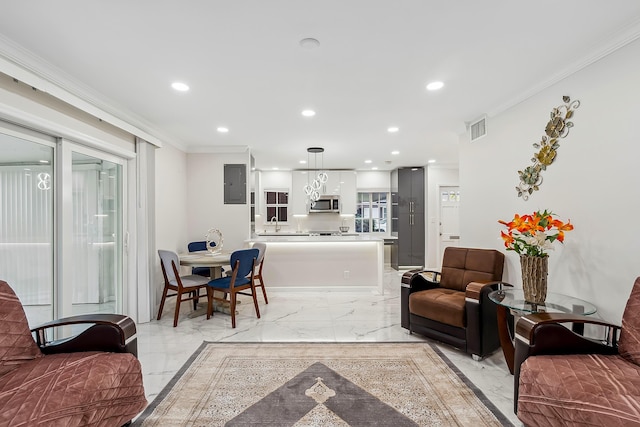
(478, 129)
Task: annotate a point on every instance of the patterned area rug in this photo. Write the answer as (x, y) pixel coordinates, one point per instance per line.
(320, 384)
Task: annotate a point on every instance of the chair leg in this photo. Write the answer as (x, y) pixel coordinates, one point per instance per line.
(255, 300)
(196, 296)
(233, 309)
(264, 290)
(164, 297)
(177, 312)
(209, 302)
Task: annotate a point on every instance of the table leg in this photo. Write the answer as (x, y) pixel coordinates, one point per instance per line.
(506, 341)
(578, 328)
(220, 306)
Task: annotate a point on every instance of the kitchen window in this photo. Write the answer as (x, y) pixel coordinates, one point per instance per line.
(277, 203)
(371, 212)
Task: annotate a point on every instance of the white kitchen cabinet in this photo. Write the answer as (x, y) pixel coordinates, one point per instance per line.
(332, 186)
(348, 192)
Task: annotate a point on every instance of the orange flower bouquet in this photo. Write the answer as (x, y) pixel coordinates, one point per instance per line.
(534, 234)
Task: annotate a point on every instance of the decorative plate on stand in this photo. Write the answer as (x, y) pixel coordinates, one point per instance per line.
(214, 240)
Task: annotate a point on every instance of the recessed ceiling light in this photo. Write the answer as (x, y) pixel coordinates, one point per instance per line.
(435, 85)
(303, 162)
(375, 168)
(393, 129)
(395, 153)
(431, 161)
(222, 129)
(367, 161)
(275, 169)
(308, 113)
(309, 43)
(179, 86)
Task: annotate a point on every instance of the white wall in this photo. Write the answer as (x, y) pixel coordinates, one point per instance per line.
(436, 176)
(171, 200)
(205, 206)
(593, 182)
(170, 211)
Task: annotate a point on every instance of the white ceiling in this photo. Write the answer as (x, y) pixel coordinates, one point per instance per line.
(247, 71)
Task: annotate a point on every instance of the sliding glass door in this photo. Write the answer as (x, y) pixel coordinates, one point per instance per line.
(96, 234)
(62, 214)
(27, 197)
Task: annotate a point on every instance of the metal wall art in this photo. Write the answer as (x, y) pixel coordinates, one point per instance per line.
(558, 127)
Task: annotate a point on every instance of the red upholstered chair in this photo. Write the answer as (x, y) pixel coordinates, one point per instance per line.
(93, 378)
(563, 378)
(453, 306)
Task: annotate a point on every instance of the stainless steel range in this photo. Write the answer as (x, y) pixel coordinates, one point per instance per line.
(325, 233)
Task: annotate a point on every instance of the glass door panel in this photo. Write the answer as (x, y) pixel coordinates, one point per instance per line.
(97, 235)
(26, 223)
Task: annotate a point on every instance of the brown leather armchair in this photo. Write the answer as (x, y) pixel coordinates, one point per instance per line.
(452, 306)
(93, 378)
(564, 378)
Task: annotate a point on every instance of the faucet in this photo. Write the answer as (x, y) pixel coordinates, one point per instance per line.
(276, 220)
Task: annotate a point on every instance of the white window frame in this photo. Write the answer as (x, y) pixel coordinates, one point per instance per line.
(370, 218)
(277, 205)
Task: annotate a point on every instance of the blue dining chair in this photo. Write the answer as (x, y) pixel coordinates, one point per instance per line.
(241, 279)
(262, 248)
(197, 247)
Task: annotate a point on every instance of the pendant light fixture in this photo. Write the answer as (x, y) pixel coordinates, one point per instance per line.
(313, 189)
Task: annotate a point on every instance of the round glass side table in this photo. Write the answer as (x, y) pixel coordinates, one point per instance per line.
(513, 300)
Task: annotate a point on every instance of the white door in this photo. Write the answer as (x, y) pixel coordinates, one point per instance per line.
(449, 218)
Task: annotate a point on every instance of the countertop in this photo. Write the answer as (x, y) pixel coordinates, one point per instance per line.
(290, 237)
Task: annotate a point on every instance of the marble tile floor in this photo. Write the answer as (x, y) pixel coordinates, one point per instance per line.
(306, 316)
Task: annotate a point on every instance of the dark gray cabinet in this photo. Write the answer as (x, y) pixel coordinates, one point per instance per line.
(407, 218)
(235, 184)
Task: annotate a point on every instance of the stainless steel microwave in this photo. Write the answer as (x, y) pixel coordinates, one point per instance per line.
(326, 204)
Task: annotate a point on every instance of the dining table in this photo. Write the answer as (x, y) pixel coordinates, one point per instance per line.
(215, 261)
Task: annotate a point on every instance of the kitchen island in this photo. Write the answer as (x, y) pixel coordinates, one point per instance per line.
(335, 262)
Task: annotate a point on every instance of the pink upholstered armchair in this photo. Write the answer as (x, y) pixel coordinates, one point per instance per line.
(92, 379)
(563, 378)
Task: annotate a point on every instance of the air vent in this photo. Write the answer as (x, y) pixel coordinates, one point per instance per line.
(478, 129)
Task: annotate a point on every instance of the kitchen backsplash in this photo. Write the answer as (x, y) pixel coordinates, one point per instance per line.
(311, 222)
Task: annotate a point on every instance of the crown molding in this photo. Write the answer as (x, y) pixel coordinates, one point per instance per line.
(618, 40)
(219, 149)
(30, 69)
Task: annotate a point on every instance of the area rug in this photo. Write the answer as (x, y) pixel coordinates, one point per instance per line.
(320, 384)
